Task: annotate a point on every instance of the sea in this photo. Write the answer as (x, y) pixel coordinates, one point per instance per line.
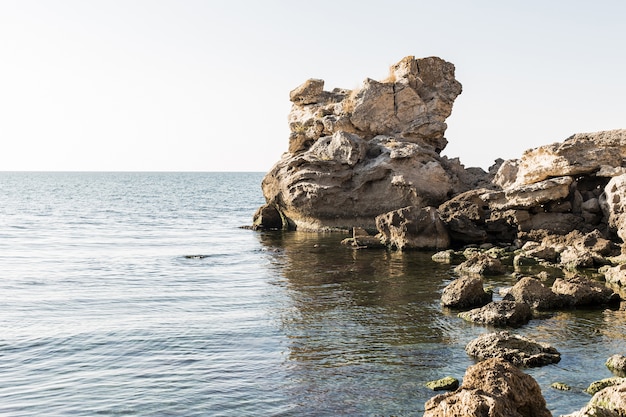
(140, 294)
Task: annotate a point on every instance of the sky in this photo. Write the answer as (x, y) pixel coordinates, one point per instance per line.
(190, 85)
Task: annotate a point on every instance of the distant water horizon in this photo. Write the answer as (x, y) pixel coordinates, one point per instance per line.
(138, 293)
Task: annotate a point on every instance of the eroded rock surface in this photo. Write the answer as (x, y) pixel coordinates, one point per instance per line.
(499, 313)
(465, 292)
(493, 387)
(518, 350)
(354, 155)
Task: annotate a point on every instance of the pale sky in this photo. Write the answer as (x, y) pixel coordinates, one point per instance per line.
(190, 85)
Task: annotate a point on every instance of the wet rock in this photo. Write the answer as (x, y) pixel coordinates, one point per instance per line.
(361, 239)
(444, 384)
(617, 364)
(465, 292)
(616, 275)
(579, 291)
(413, 228)
(518, 350)
(267, 217)
(499, 313)
(444, 256)
(532, 292)
(493, 387)
(609, 402)
(560, 386)
(481, 264)
(596, 386)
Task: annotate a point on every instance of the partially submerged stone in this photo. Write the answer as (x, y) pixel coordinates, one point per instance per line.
(518, 350)
(608, 402)
(493, 387)
(444, 384)
(617, 364)
(532, 292)
(603, 383)
(481, 264)
(465, 292)
(499, 313)
(579, 291)
(413, 228)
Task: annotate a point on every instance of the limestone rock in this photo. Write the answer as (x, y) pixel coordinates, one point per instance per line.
(582, 153)
(532, 292)
(518, 350)
(617, 363)
(613, 203)
(465, 292)
(609, 402)
(530, 195)
(579, 291)
(493, 387)
(481, 264)
(354, 155)
(413, 228)
(499, 313)
(444, 384)
(597, 386)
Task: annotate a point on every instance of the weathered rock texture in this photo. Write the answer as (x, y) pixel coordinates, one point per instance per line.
(609, 402)
(518, 350)
(493, 387)
(354, 155)
(499, 313)
(465, 292)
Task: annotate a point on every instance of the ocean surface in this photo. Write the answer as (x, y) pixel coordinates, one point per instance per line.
(138, 294)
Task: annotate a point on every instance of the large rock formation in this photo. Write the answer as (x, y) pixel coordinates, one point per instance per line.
(354, 155)
(374, 152)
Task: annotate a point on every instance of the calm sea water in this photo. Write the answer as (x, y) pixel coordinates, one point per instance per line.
(137, 294)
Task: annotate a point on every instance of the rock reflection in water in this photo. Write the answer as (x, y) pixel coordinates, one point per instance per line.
(362, 326)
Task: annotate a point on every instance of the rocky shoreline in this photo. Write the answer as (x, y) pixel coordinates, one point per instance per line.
(369, 161)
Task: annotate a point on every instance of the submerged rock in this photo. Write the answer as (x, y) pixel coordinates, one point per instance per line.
(603, 383)
(518, 350)
(444, 384)
(609, 402)
(493, 387)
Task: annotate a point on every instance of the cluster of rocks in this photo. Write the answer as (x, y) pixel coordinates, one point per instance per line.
(496, 387)
(369, 160)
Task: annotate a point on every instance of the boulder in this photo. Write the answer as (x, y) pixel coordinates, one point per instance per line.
(499, 313)
(413, 228)
(481, 264)
(579, 291)
(354, 155)
(493, 387)
(532, 292)
(465, 292)
(518, 350)
(617, 364)
(609, 402)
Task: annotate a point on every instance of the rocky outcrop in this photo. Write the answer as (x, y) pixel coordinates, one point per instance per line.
(354, 155)
(518, 350)
(465, 292)
(493, 387)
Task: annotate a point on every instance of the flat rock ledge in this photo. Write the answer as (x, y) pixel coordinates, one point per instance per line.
(518, 350)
